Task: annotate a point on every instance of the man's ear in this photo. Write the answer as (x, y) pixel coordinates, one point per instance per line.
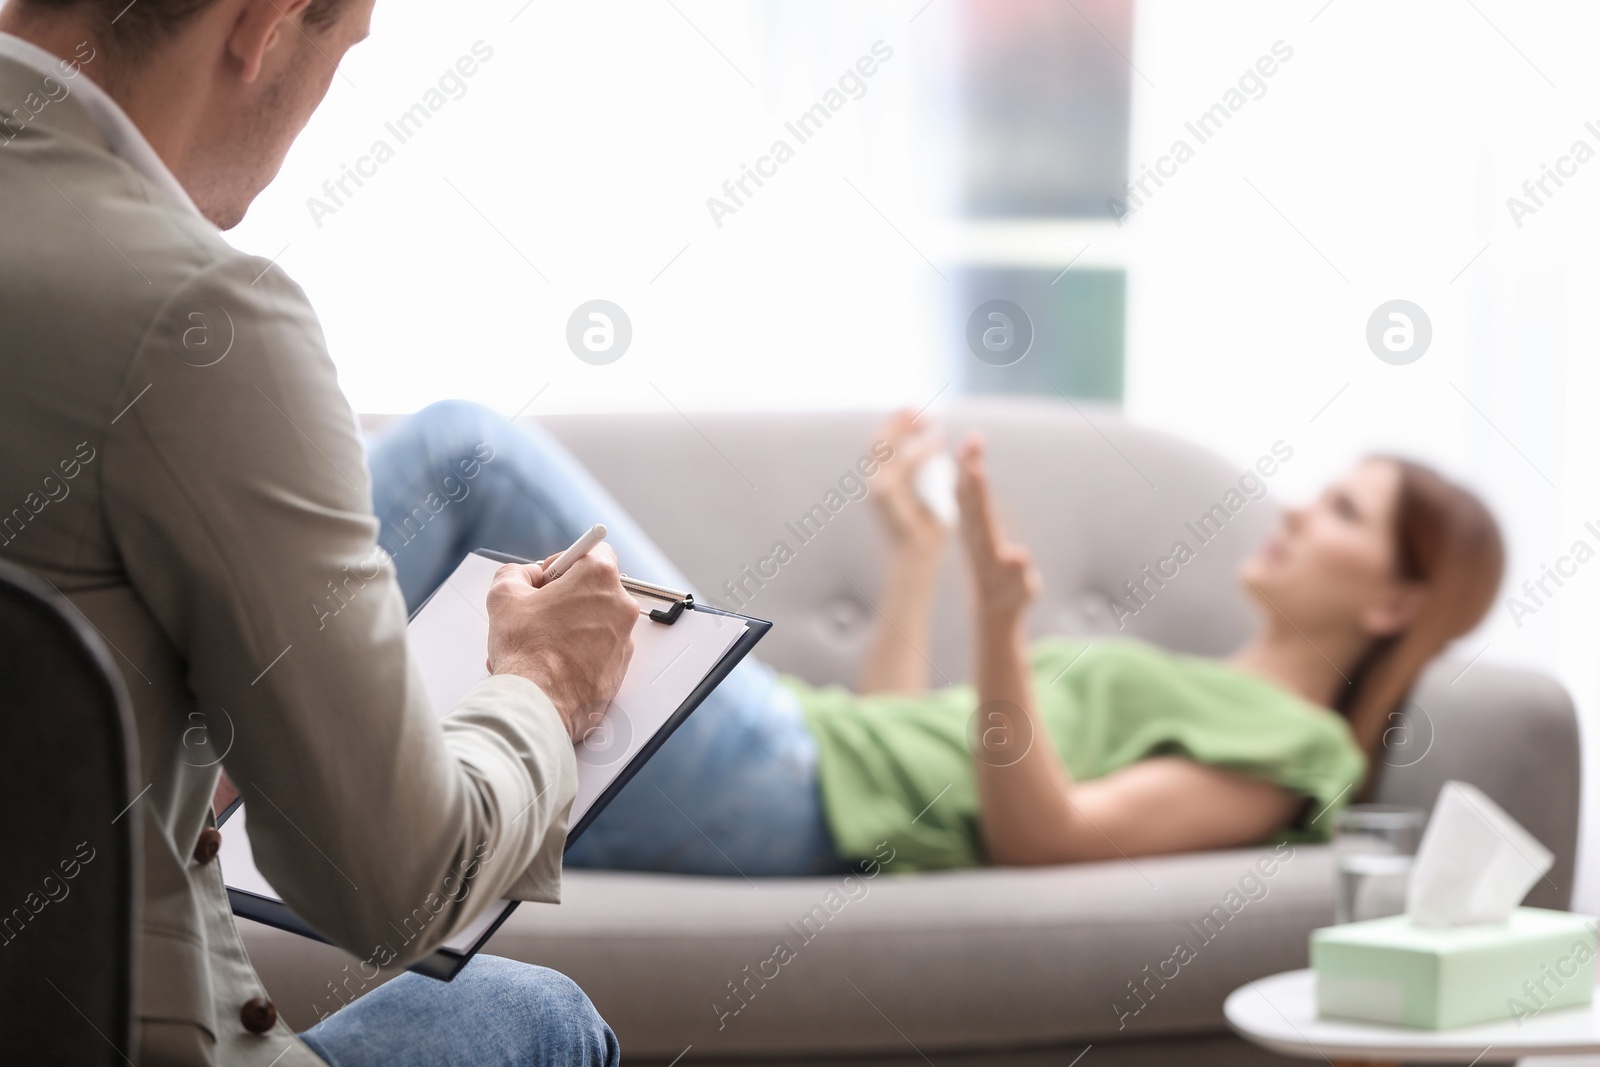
(258, 29)
(1395, 611)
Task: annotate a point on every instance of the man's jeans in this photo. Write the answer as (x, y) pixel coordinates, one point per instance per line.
(496, 1013)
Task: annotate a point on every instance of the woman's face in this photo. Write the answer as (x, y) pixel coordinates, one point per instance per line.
(1331, 565)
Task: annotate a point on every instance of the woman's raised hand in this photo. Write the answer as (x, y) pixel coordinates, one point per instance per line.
(905, 518)
(1004, 576)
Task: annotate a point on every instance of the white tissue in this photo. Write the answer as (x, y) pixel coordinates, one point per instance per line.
(1475, 863)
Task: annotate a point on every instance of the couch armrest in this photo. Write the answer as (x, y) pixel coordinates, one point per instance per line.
(1511, 733)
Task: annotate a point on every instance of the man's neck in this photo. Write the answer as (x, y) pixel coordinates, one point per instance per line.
(165, 110)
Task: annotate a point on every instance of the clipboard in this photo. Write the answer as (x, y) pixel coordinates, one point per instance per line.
(659, 605)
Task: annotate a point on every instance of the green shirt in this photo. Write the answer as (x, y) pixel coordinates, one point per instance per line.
(897, 768)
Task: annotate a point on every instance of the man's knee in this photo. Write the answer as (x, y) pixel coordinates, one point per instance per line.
(565, 1028)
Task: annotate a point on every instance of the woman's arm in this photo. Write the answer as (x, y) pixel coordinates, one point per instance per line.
(1023, 788)
(1161, 805)
(1030, 810)
(895, 661)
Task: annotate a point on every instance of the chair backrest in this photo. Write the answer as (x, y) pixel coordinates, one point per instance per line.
(69, 843)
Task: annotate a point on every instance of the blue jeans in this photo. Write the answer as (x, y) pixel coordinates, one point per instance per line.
(495, 1013)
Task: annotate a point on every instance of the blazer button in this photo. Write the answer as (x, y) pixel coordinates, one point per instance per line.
(205, 849)
(258, 1015)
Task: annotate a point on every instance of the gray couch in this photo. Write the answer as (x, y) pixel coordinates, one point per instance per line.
(988, 966)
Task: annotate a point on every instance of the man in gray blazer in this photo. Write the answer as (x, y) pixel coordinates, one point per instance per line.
(177, 459)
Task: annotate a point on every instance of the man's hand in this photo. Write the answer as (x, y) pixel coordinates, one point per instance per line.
(572, 636)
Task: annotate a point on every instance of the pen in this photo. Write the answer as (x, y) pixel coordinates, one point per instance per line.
(580, 548)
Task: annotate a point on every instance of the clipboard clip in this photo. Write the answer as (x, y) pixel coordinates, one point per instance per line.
(676, 602)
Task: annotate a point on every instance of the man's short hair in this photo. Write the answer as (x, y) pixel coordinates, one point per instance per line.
(135, 27)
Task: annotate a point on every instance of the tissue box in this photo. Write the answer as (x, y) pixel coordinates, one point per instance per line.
(1389, 971)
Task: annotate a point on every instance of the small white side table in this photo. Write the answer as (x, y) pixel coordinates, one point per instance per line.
(1280, 1013)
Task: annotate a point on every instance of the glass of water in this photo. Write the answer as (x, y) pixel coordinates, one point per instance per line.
(1373, 848)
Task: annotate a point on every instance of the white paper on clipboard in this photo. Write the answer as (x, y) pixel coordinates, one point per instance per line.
(448, 640)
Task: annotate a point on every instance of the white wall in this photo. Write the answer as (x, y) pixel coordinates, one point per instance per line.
(591, 141)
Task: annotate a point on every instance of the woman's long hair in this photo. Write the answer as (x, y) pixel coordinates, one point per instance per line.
(1447, 540)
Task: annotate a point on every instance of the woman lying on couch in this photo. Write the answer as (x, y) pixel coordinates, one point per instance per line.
(1068, 750)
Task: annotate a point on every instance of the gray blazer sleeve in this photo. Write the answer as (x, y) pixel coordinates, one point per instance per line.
(237, 494)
